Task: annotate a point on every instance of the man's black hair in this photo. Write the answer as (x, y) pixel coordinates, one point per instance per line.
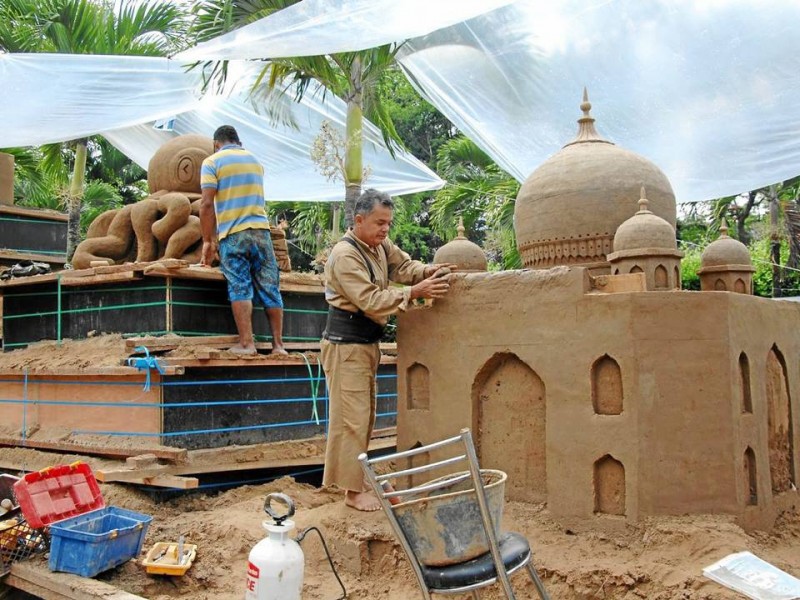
(369, 199)
(226, 133)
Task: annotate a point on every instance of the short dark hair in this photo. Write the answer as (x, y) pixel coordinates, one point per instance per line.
(226, 133)
(369, 199)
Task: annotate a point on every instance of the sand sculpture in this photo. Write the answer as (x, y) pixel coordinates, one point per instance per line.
(165, 224)
(591, 378)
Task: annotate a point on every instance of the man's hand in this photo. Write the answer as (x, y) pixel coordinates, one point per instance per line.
(432, 287)
(208, 253)
(430, 270)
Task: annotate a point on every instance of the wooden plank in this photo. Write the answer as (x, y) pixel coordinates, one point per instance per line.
(177, 455)
(155, 344)
(129, 275)
(32, 280)
(258, 360)
(123, 371)
(53, 259)
(33, 576)
(36, 213)
(192, 272)
(241, 458)
(170, 481)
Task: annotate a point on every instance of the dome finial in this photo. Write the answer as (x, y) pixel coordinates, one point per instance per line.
(586, 106)
(586, 130)
(723, 229)
(460, 229)
(643, 202)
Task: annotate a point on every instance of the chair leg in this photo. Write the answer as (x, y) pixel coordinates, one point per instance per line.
(537, 581)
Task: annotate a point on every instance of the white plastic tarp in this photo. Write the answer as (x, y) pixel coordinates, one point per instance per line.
(58, 97)
(706, 90)
(53, 98)
(316, 27)
(290, 174)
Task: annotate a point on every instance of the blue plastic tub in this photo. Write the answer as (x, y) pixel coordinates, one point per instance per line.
(97, 541)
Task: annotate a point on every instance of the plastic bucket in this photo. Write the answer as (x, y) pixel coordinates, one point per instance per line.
(444, 527)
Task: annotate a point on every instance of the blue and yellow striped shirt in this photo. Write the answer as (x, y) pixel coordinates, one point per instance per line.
(238, 178)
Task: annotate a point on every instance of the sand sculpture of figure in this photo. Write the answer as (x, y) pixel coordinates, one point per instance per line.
(165, 224)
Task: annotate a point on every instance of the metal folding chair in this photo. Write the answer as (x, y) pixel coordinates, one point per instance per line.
(507, 553)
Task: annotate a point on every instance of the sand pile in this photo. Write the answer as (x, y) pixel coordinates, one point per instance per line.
(661, 559)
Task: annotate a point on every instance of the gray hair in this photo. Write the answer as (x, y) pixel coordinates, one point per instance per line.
(369, 199)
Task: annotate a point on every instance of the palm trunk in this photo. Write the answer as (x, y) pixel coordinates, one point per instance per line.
(353, 158)
(75, 198)
(336, 217)
(775, 242)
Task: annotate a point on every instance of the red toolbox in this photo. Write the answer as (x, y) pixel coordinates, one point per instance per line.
(87, 537)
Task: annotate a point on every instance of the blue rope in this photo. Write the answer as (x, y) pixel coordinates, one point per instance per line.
(145, 363)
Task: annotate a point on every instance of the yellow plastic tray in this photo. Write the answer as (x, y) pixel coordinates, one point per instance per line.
(162, 559)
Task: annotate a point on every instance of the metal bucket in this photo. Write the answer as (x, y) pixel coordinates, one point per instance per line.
(444, 527)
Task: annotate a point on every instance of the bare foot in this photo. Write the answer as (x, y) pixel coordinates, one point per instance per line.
(243, 350)
(279, 350)
(365, 501)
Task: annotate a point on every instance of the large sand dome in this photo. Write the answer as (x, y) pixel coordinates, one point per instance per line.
(569, 209)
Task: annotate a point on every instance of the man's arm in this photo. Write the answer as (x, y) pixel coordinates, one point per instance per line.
(353, 283)
(403, 269)
(208, 226)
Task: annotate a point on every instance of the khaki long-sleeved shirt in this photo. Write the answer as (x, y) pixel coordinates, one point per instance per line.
(348, 285)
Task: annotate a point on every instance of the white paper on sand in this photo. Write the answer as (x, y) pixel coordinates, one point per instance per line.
(753, 577)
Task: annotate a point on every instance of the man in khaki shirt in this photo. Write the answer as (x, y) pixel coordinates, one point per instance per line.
(360, 299)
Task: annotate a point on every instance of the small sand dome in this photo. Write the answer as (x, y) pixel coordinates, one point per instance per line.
(460, 251)
(645, 230)
(725, 251)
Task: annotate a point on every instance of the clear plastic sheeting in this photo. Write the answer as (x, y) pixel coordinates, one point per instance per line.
(285, 152)
(58, 97)
(706, 90)
(316, 27)
(53, 98)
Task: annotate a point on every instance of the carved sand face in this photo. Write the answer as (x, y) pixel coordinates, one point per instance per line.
(176, 165)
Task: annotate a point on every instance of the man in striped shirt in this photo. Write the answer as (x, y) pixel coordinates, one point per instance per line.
(233, 221)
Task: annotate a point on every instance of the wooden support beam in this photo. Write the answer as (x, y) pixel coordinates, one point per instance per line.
(36, 213)
(53, 259)
(242, 458)
(69, 281)
(90, 371)
(166, 343)
(34, 577)
(176, 455)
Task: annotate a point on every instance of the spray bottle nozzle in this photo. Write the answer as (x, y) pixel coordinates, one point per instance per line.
(283, 499)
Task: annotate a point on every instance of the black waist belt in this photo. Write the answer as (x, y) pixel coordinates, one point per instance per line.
(344, 327)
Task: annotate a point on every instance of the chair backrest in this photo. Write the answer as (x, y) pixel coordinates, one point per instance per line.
(464, 472)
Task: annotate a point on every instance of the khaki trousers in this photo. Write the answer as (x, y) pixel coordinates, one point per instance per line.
(350, 371)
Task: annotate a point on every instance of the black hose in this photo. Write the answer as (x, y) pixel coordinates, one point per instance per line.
(301, 536)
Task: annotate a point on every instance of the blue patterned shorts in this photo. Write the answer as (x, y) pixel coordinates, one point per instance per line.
(248, 262)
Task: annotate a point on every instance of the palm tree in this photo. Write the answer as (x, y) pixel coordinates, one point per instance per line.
(478, 191)
(87, 27)
(353, 76)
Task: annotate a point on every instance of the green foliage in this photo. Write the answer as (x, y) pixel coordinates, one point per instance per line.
(98, 197)
(421, 127)
(482, 194)
(690, 264)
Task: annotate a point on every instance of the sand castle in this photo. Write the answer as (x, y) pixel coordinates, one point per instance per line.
(600, 386)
